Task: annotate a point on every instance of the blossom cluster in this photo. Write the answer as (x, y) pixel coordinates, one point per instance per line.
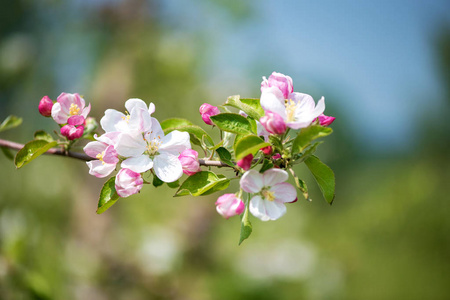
(274, 131)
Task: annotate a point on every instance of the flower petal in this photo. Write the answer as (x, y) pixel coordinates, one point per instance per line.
(266, 210)
(132, 103)
(167, 167)
(138, 164)
(99, 169)
(252, 181)
(274, 176)
(58, 115)
(284, 192)
(110, 120)
(272, 99)
(130, 145)
(94, 148)
(175, 142)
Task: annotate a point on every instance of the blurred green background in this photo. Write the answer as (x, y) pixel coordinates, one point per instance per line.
(384, 69)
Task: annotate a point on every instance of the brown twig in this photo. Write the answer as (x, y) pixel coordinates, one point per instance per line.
(82, 156)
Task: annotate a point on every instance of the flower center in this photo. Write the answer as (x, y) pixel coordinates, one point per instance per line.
(127, 117)
(74, 109)
(100, 157)
(268, 195)
(290, 110)
(153, 145)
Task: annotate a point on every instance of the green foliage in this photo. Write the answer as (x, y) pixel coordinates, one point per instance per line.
(196, 133)
(108, 196)
(234, 123)
(174, 123)
(10, 122)
(32, 150)
(202, 183)
(225, 156)
(324, 177)
(308, 134)
(44, 136)
(7, 152)
(156, 181)
(246, 226)
(251, 107)
(267, 164)
(249, 144)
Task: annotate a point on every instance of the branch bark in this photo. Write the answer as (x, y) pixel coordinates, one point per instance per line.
(57, 151)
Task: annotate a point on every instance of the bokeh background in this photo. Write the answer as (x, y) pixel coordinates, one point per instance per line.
(384, 69)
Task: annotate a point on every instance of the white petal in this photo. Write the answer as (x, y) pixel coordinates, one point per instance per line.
(266, 210)
(58, 115)
(130, 145)
(140, 120)
(274, 176)
(132, 103)
(99, 169)
(151, 108)
(175, 142)
(94, 148)
(272, 99)
(252, 181)
(167, 167)
(110, 120)
(284, 192)
(138, 164)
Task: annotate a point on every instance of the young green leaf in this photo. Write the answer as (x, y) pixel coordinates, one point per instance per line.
(108, 196)
(10, 122)
(324, 177)
(196, 132)
(200, 183)
(173, 185)
(246, 226)
(7, 152)
(267, 164)
(156, 181)
(234, 123)
(251, 107)
(42, 135)
(249, 144)
(301, 185)
(174, 123)
(307, 135)
(32, 150)
(225, 156)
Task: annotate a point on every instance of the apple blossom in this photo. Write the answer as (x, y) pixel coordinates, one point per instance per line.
(207, 111)
(229, 205)
(68, 105)
(280, 81)
(74, 128)
(189, 162)
(325, 120)
(298, 110)
(273, 123)
(105, 154)
(271, 192)
(153, 149)
(45, 106)
(128, 183)
(246, 162)
(267, 150)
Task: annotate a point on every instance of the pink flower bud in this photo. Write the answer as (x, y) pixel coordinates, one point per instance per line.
(281, 81)
(267, 150)
(207, 110)
(273, 123)
(246, 162)
(72, 132)
(229, 205)
(189, 162)
(128, 183)
(276, 156)
(45, 106)
(325, 120)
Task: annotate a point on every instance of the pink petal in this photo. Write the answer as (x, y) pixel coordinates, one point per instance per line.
(284, 192)
(252, 181)
(273, 176)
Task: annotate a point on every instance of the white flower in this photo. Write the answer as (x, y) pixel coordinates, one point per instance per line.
(271, 192)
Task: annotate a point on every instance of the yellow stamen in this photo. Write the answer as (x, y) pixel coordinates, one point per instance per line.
(290, 110)
(153, 146)
(74, 109)
(127, 117)
(100, 157)
(268, 195)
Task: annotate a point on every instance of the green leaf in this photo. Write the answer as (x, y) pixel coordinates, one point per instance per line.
(225, 156)
(156, 181)
(174, 123)
(251, 107)
(253, 125)
(308, 134)
(10, 122)
(174, 184)
(42, 135)
(246, 226)
(276, 142)
(200, 183)
(221, 185)
(234, 123)
(32, 150)
(267, 164)
(7, 152)
(108, 196)
(310, 151)
(301, 185)
(324, 177)
(196, 133)
(249, 144)
(214, 147)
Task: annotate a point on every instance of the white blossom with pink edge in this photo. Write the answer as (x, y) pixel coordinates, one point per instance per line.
(137, 117)
(189, 162)
(153, 149)
(68, 105)
(229, 205)
(271, 192)
(282, 82)
(128, 183)
(105, 154)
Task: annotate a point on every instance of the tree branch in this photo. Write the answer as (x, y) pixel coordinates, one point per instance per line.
(58, 151)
